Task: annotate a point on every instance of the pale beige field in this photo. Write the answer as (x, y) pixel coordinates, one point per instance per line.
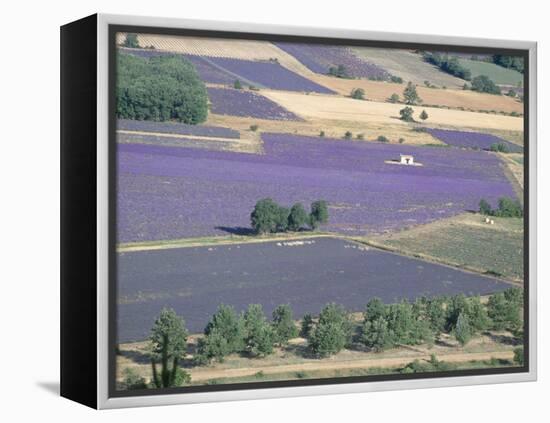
(346, 109)
(453, 98)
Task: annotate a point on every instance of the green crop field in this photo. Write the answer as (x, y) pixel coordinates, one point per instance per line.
(498, 74)
(468, 242)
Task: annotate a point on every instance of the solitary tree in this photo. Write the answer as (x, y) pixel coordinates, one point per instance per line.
(407, 114)
(423, 115)
(131, 41)
(258, 332)
(318, 214)
(297, 217)
(358, 93)
(394, 98)
(237, 85)
(169, 342)
(284, 328)
(410, 95)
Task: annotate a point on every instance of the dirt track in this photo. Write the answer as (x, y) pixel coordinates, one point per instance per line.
(205, 374)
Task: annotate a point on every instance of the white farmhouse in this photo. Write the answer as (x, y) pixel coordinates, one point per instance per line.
(407, 159)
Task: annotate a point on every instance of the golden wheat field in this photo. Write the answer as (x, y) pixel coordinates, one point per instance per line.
(340, 108)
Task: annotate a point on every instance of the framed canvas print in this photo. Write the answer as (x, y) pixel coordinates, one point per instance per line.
(255, 211)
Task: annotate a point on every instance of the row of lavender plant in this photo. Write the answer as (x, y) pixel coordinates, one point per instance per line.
(474, 140)
(177, 128)
(320, 58)
(225, 101)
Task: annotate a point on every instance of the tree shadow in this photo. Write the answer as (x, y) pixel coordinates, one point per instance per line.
(237, 230)
(504, 339)
(139, 357)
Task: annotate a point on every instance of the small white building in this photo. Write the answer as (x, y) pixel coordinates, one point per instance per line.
(407, 159)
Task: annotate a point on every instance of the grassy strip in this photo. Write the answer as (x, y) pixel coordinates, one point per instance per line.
(373, 371)
(216, 240)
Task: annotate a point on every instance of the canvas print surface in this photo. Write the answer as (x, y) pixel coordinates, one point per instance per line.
(290, 211)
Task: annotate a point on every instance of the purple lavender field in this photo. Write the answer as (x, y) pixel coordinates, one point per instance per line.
(268, 75)
(221, 70)
(320, 58)
(474, 140)
(168, 193)
(194, 281)
(176, 128)
(226, 101)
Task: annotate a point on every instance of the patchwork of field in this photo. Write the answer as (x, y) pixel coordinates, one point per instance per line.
(169, 193)
(307, 275)
(466, 241)
(451, 98)
(339, 108)
(498, 74)
(408, 65)
(238, 49)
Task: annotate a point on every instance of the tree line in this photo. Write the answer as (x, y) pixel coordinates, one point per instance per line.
(270, 217)
(159, 89)
(382, 326)
(507, 207)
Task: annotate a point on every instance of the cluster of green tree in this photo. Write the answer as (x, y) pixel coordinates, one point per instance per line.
(339, 71)
(484, 84)
(510, 62)
(387, 326)
(396, 79)
(250, 333)
(449, 64)
(268, 216)
(507, 207)
(159, 89)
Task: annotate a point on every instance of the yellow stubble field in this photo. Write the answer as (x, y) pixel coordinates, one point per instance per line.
(347, 109)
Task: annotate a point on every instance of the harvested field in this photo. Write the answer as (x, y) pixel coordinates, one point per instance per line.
(408, 65)
(307, 275)
(337, 108)
(451, 98)
(466, 241)
(170, 193)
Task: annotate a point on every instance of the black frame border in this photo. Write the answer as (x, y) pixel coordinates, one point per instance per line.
(113, 29)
